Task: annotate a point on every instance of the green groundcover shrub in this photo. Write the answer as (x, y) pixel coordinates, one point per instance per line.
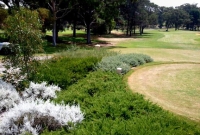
(124, 61)
(110, 108)
(64, 71)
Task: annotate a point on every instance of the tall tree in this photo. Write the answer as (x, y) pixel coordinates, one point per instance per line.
(144, 10)
(194, 13)
(168, 17)
(111, 12)
(160, 12)
(58, 12)
(45, 17)
(128, 10)
(179, 17)
(23, 30)
(58, 8)
(90, 11)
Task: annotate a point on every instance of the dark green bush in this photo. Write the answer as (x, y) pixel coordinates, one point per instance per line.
(64, 71)
(112, 109)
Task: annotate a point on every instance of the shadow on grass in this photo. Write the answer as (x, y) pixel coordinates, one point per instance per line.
(66, 41)
(136, 35)
(112, 47)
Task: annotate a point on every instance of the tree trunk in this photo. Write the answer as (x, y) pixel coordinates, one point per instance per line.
(88, 34)
(109, 30)
(167, 28)
(127, 29)
(75, 23)
(131, 26)
(54, 33)
(143, 29)
(57, 30)
(54, 23)
(140, 30)
(74, 29)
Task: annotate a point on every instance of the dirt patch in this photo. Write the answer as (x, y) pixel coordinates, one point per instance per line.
(166, 85)
(114, 41)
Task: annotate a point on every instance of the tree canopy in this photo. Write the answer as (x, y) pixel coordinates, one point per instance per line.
(101, 16)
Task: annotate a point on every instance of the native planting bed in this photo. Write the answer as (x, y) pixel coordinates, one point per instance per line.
(78, 91)
(90, 100)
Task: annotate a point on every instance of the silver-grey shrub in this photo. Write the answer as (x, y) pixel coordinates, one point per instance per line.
(33, 112)
(124, 61)
(8, 96)
(112, 63)
(40, 90)
(129, 59)
(135, 59)
(33, 116)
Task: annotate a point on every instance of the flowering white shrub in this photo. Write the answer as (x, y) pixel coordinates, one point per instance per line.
(33, 116)
(8, 96)
(42, 91)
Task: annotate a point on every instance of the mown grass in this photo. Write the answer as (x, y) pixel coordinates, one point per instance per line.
(174, 86)
(162, 39)
(172, 46)
(165, 55)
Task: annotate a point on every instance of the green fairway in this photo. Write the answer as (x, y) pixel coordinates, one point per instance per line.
(172, 46)
(162, 39)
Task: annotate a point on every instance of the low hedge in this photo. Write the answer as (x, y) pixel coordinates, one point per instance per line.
(110, 108)
(64, 71)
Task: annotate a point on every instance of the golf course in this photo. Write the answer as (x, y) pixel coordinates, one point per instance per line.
(173, 80)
